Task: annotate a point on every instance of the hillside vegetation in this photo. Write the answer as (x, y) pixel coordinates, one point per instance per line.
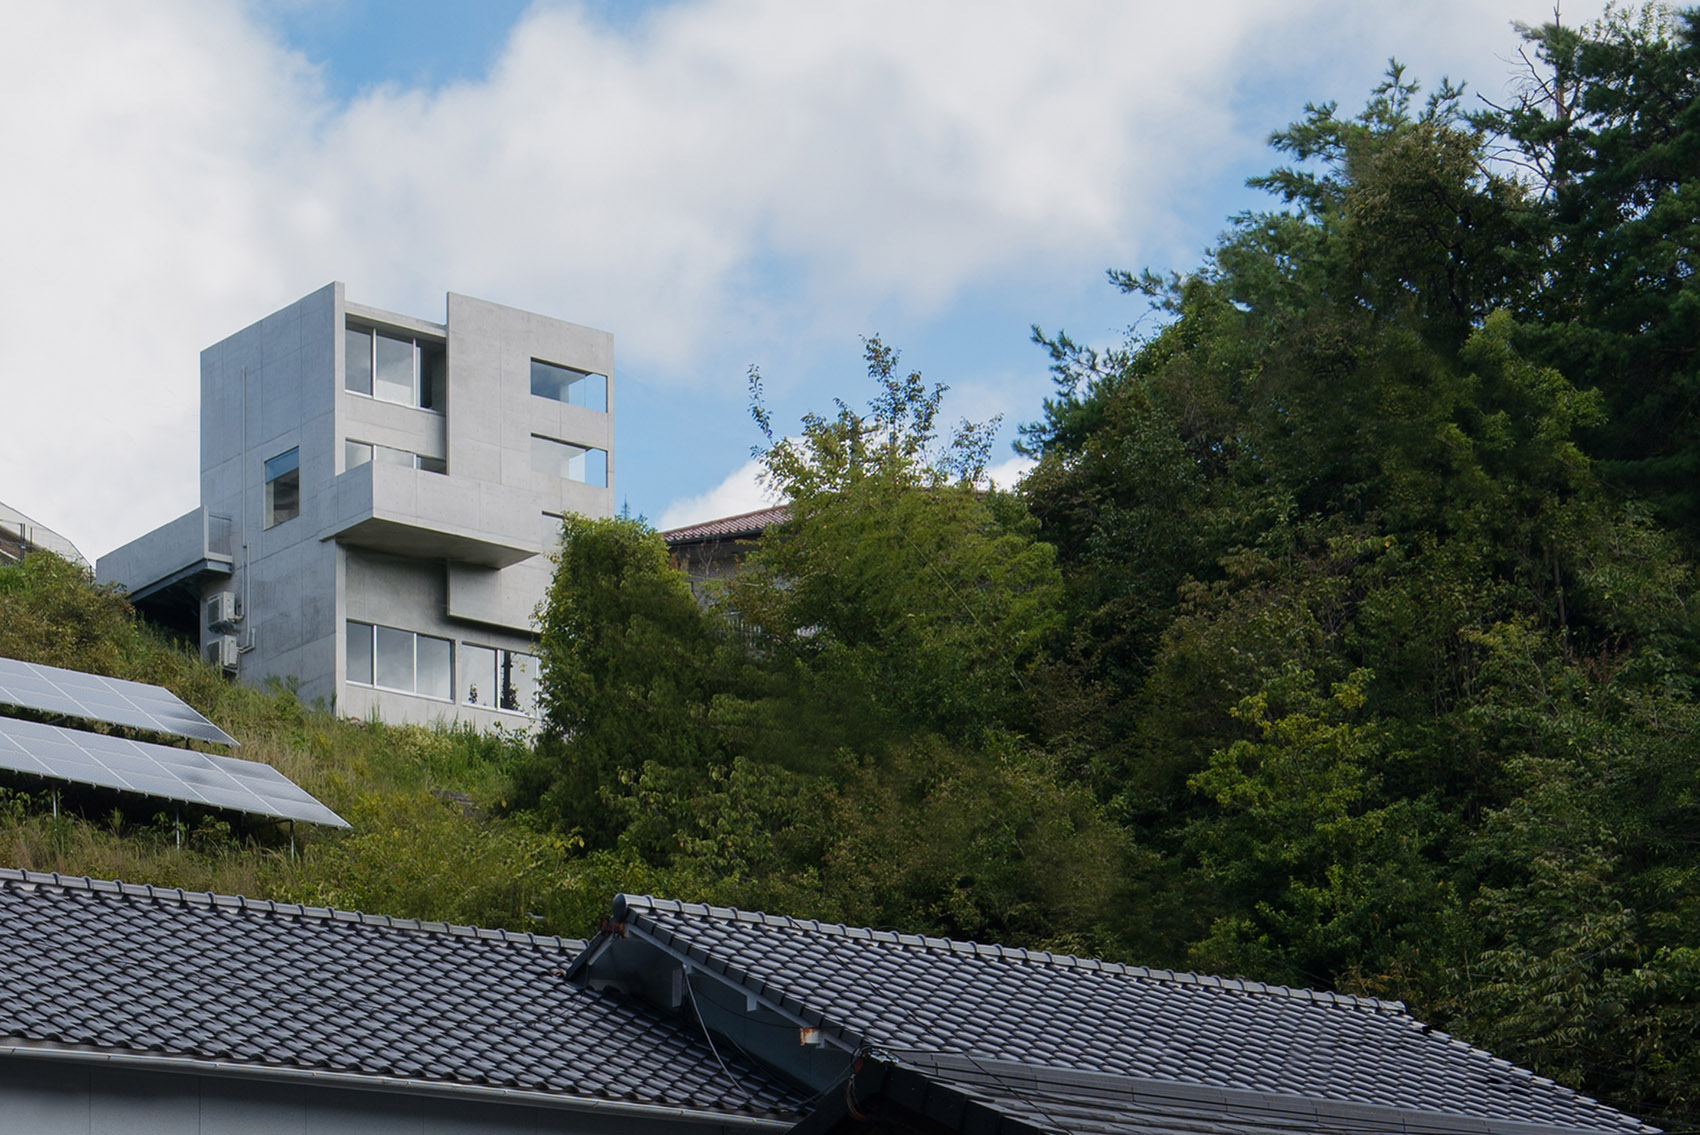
(1344, 635)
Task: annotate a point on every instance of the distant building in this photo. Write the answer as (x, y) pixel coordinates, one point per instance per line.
(19, 535)
(379, 494)
(711, 551)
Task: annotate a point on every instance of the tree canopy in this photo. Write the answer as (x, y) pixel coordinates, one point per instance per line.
(1343, 636)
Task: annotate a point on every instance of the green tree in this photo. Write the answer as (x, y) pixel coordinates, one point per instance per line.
(627, 679)
(899, 590)
(1609, 124)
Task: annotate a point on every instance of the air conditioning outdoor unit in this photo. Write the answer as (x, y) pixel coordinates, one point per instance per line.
(221, 610)
(221, 651)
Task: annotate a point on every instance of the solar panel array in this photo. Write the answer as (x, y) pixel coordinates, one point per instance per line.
(157, 770)
(135, 705)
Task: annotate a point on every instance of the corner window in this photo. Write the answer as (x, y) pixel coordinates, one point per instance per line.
(393, 659)
(283, 487)
(498, 679)
(395, 368)
(569, 462)
(565, 384)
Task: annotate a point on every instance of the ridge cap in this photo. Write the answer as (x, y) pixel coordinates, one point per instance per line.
(961, 947)
(241, 904)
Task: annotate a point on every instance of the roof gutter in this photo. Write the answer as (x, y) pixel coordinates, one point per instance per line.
(359, 1081)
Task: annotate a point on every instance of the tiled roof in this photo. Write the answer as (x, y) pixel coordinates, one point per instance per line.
(870, 987)
(1084, 1103)
(149, 970)
(743, 525)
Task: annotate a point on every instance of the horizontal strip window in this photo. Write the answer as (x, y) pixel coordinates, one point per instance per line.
(395, 368)
(499, 679)
(358, 453)
(392, 659)
(569, 462)
(567, 384)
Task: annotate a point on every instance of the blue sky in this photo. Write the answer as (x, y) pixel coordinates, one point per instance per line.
(720, 183)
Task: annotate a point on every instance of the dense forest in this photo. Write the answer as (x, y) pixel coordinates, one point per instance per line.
(1343, 635)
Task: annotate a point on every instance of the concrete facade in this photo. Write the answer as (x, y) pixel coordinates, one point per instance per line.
(367, 519)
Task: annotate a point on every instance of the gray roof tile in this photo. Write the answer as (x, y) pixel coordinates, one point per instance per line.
(1092, 1017)
(214, 977)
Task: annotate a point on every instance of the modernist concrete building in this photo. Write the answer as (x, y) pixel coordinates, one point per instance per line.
(379, 498)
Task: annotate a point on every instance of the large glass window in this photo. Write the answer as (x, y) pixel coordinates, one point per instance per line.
(395, 367)
(499, 679)
(433, 675)
(394, 656)
(392, 374)
(478, 675)
(565, 384)
(394, 659)
(360, 653)
(569, 462)
(519, 681)
(357, 360)
(283, 487)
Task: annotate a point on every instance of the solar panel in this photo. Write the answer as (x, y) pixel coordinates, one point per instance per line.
(157, 770)
(49, 689)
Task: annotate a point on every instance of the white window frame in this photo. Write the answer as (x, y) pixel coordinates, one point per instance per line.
(413, 641)
(503, 654)
(372, 331)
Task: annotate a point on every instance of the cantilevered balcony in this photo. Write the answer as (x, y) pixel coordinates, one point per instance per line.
(412, 512)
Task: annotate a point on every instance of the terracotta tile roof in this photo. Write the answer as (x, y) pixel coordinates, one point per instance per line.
(742, 526)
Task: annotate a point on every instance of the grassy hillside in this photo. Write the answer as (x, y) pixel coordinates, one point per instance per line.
(426, 842)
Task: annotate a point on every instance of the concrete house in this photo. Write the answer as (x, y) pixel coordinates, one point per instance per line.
(379, 498)
(147, 1009)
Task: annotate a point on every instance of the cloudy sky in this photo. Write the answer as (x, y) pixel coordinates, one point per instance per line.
(719, 183)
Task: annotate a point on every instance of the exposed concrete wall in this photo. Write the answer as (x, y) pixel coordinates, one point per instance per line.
(265, 390)
(460, 555)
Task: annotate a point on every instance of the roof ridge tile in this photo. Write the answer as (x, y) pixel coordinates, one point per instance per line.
(213, 900)
(1015, 953)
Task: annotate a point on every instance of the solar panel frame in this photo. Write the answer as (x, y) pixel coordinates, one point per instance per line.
(158, 771)
(111, 701)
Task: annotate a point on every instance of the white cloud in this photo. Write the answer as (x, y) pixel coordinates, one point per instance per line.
(1006, 474)
(740, 492)
(735, 172)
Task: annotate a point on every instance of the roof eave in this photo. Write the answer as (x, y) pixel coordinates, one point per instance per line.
(362, 1081)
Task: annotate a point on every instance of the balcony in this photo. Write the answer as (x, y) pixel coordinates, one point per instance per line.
(411, 512)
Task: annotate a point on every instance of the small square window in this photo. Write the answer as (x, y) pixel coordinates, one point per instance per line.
(283, 488)
(355, 454)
